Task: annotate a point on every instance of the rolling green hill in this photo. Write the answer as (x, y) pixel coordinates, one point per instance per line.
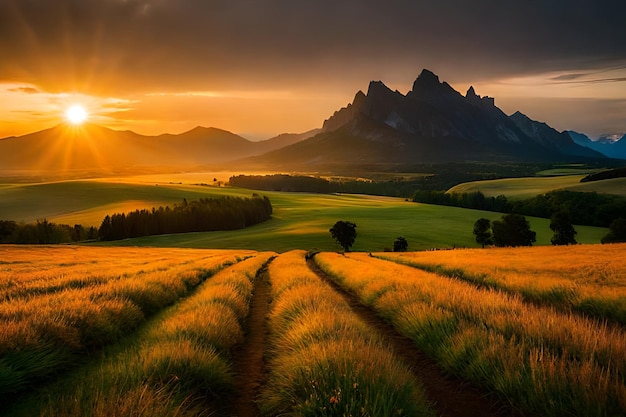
(300, 220)
(528, 187)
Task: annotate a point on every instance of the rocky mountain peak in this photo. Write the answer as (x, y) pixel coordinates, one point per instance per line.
(474, 98)
(345, 114)
(427, 87)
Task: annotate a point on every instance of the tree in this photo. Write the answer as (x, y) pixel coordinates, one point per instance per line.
(512, 230)
(482, 230)
(7, 228)
(563, 230)
(617, 231)
(344, 234)
(400, 244)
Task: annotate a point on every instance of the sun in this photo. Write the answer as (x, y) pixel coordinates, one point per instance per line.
(76, 114)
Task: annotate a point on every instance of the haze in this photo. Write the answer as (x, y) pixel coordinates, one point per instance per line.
(262, 68)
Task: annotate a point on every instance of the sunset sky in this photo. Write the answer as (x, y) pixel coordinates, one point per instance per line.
(259, 68)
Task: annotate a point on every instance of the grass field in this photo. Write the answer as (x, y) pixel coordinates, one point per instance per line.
(588, 279)
(102, 332)
(528, 187)
(542, 361)
(300, 220)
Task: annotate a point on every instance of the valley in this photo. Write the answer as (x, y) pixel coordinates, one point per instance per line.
(299, 221)
(270, 318)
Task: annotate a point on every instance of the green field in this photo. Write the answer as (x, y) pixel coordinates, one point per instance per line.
(528, 187)
(300, 220)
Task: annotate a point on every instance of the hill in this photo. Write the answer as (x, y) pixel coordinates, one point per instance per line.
(528, 187)
(93, 148)
(431, 123)
(299, 220)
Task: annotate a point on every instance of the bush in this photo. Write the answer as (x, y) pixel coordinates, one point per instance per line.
(617, 231)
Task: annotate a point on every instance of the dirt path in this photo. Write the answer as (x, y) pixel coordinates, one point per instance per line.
(451, 396)
(248, 362)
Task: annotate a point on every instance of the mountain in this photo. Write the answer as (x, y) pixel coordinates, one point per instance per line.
(612, 146)
(561, 142)
(431, 123)
(285, 139)
(95, 148)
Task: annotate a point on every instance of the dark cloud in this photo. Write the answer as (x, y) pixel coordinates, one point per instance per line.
(186, 44)
(326, 49)
(599, 81)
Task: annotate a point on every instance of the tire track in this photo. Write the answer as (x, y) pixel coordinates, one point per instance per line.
(451, 396)
(248, 358)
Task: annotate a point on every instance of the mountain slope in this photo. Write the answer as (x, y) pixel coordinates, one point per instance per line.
(610, 148)
(94, 148)
(431, 123)
(552, 139)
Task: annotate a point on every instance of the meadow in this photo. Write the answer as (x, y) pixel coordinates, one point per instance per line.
(60, 303)
(529, 187)
(91, 331)
(585, 278)
(540, 360)
(299, 221)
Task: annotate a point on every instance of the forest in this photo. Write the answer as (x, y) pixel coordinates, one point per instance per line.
(203, 215)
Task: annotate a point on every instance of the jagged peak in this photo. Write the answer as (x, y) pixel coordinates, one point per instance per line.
(359, 98)
(377, 87)
(427, 80)
(345, 114)
(428, 87)
(428, 75)
(472, 97)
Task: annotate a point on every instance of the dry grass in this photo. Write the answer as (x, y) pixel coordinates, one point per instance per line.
(588, 278)
(61, 302)
(177, 366)
(325, 361)
(539, 359)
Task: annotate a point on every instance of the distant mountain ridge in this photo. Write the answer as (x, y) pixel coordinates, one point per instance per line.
(606, 144)
(431, 123)
(96, 148)
(380, 129)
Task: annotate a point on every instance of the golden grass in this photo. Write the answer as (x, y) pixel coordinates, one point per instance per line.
(325, 361)
(527, 354)
(59, 302)
(178, 365)
(589, 278)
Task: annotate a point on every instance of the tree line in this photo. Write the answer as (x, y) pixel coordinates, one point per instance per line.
(583, 208)
(437, 177)
(203, 215)
(308, 184)
(44, 232)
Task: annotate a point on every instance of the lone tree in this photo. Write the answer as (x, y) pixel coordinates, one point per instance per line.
(400, 244)
(512, 230)
(344, 233)
(564, 232)
(617, 231)
(482, 230)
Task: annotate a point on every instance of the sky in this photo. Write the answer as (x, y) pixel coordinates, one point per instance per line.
(264, 67)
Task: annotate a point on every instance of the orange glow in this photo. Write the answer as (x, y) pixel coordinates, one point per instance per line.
(26, 108)
(76, 114)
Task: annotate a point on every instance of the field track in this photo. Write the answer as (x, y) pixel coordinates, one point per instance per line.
(247, 334)
(248, 358)
(451, 397)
